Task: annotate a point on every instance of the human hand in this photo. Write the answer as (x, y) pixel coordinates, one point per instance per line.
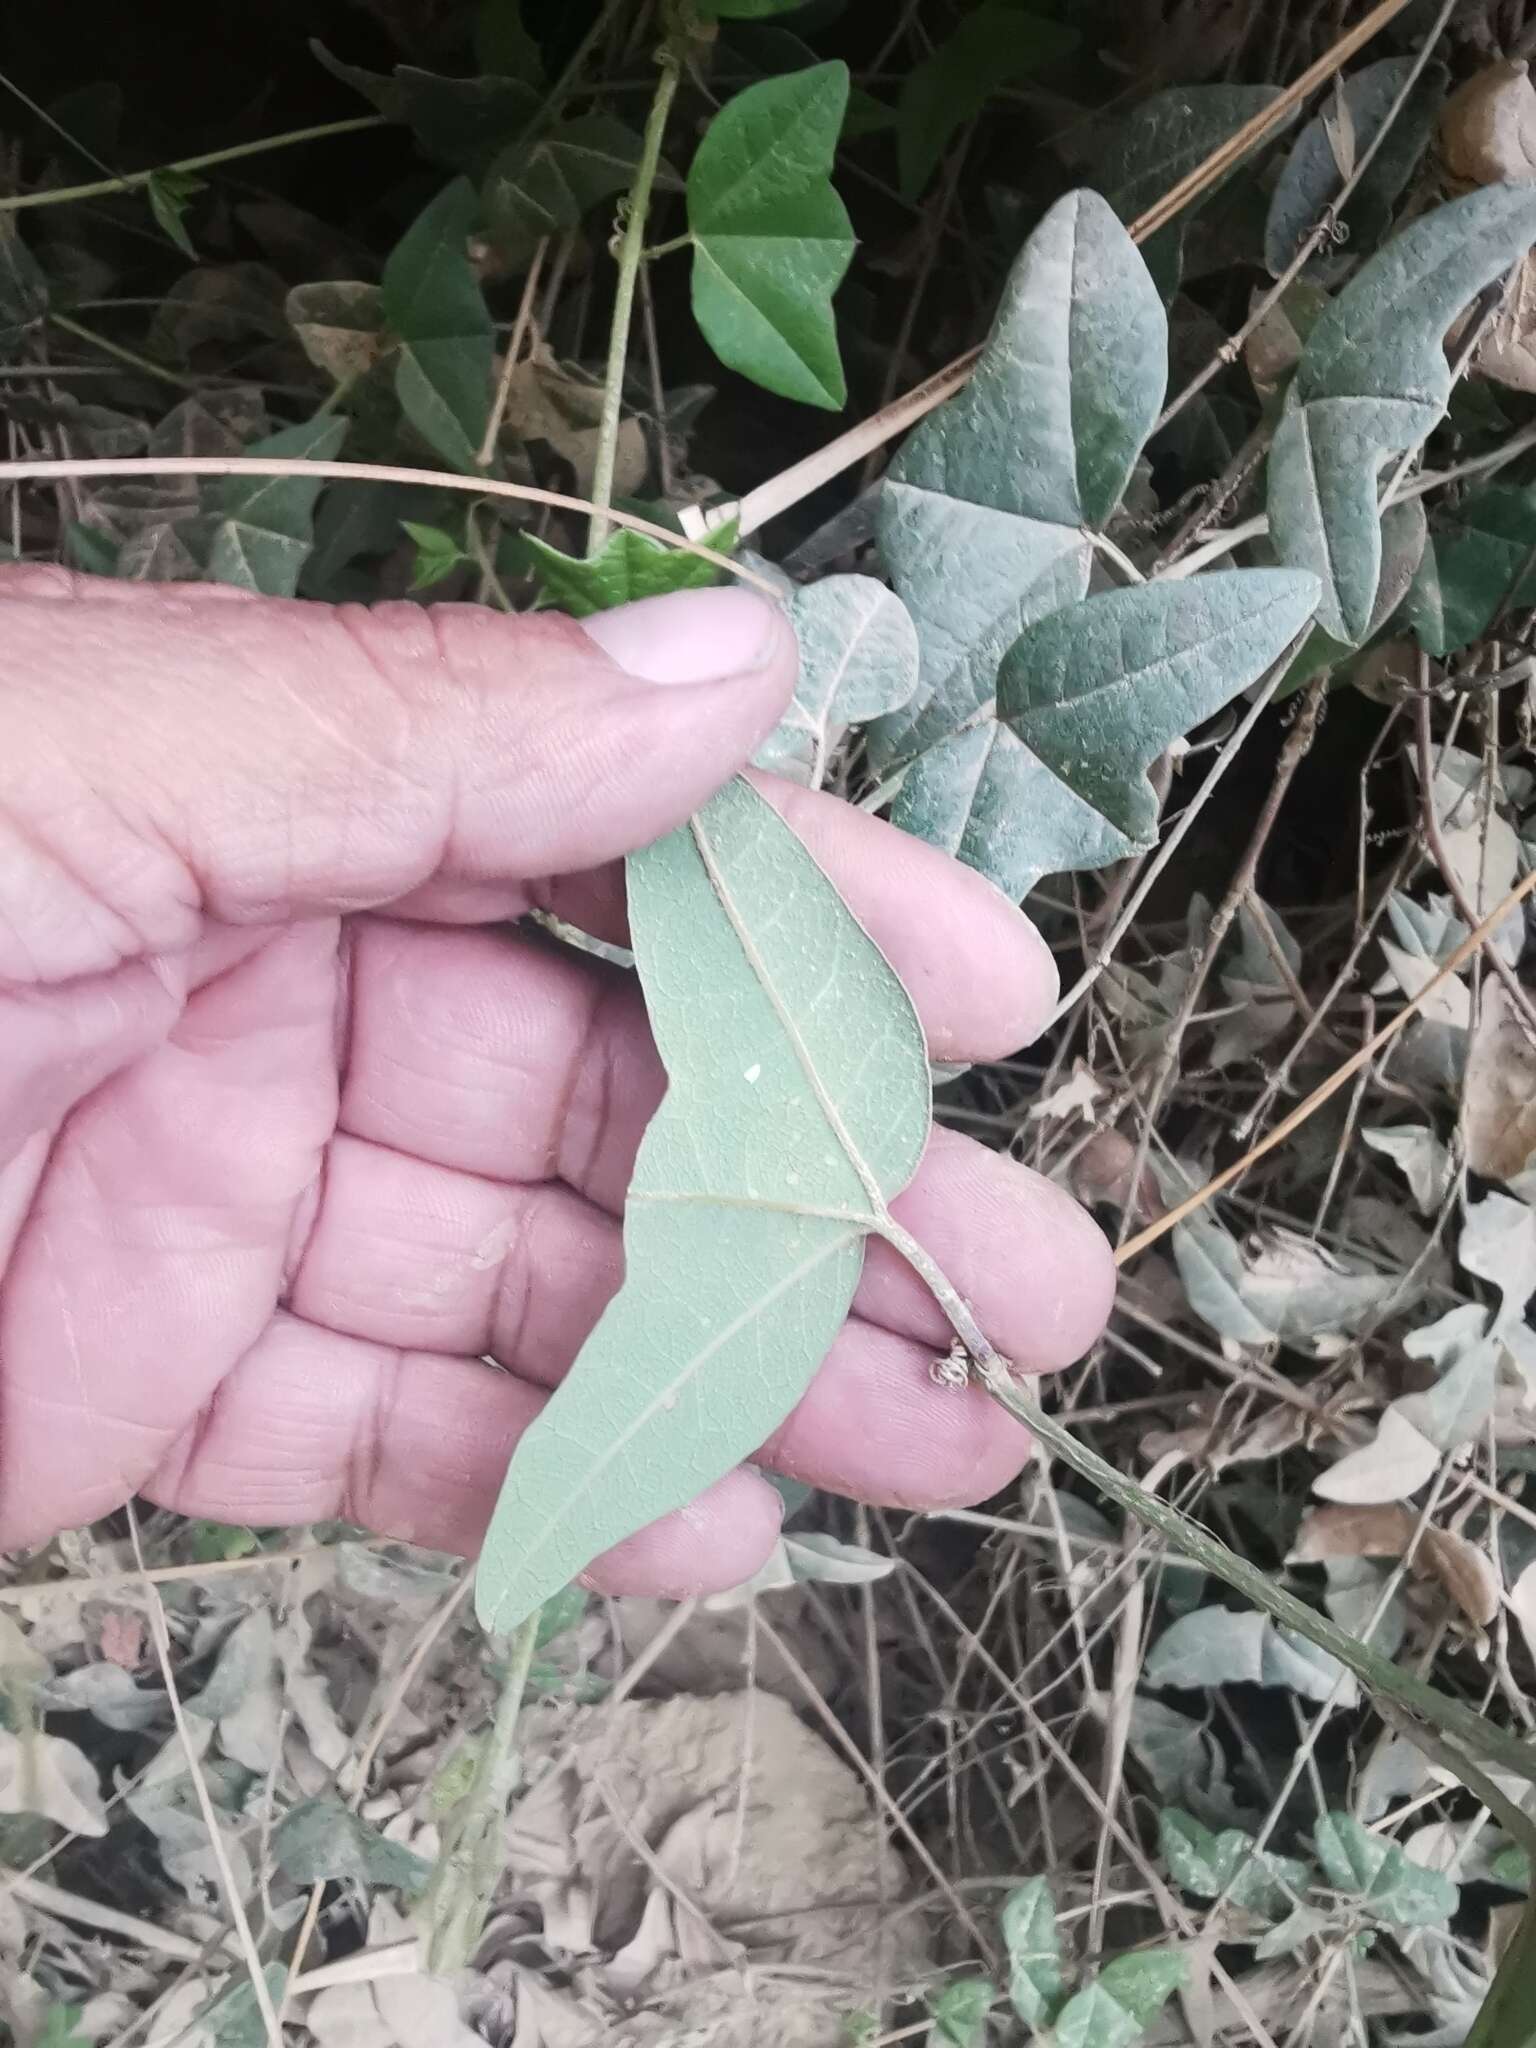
(291, 1142)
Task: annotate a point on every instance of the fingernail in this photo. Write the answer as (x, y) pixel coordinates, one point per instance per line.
(690, 636)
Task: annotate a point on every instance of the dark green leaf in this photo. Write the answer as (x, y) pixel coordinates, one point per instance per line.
(459, 121)
(1484, 555)
(1092, 694)
(433, 303)
(629, 565)
(1377, 1871)
(1167, 136)
(503, 46)
(438, 554)
(320, 1839)
(170, 194)
(994, 46)
(87, 548)
(743, 10)
(23, 287)
(959, 2011)
(263, 526)
(542, 187)
(798, 1104)
(771, 237)
(1034, 1951)
(1310, 180)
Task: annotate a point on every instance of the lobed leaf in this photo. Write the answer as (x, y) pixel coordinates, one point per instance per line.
(993, 46)
(797, 1105)
(545, 185)
(459, 121)
(1033, 1943)
(858, 660)
(264, 526)
(629, 565)
(771, 238)
(1122, 2001)
(1476, 560)
(1377, 1871)
(431, 300)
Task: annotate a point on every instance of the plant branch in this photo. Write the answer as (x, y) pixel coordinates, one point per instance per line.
(134, 181)
(631, 250)
(129, 356)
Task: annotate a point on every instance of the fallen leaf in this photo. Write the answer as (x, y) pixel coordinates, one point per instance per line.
(1487, 131)
(1507, 353)
(1397, 1461)
(1522, 1605)
(46, 1774)
(1498, 1099)
(1498, 1244)
(1463, 1570)
(1071, 1098)
(1419, 1156)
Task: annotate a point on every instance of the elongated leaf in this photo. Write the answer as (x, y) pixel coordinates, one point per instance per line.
(993, 46)
(544, 186)
(264, 526)
(628, 566)
(1311, 177)
(858, 659)
(1034, 1951)
(1372, 382)
(771, 238)
(1092, 694)
(1478, 559)
(981, 517)
(798, 1104)
(1377, 1871)
(460, 121)
(432, 301)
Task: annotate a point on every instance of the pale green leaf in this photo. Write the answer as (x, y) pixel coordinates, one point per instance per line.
(993, 46)
(263, 526)
(1376, 1871)
(1372, 382)
(459, 121)
(1122, 2001)
(170, 193)
(1034, 1951)
(543, 186)
(321, 1838)
(771, 238)
(858, 659)
(1210, 1865)
(438, 554)
(1095, 692)
(433, 304)
(959, 2012)
(982, 513)
(798, 1104)
(1181, 1757)
(1311, 177)
(1215, 1646)
(629, 565)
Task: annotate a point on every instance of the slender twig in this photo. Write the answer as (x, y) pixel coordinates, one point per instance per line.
(637, 210)
(515, 340)
(129, 356)
(133, 181)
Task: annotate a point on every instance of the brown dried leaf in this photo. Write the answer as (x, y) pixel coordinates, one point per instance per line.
(1463, 1571)
(1507, 353)
(1487, 130)
(1499, 1094)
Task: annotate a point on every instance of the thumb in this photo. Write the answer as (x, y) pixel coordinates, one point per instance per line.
(166, 757)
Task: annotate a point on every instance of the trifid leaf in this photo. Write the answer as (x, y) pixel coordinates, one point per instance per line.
(993, 46)
(982, 516)
(798, 1104)
(320, 1839)
(959, 2012)
(1377, 1871)
(858, 659)
(629, 565)
(1209, 1865)
(459, 121)
(541, 187)
(1034, 1951)
(432, 301)
(1372, 382)
(1122, 2001)
(264, 525)
(1476, 560)
(771, 238)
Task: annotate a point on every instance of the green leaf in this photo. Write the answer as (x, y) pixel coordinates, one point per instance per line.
(743, 10)
(1477, 559)
(503, 45)
(1372, 382)
(1310, 179)
(542, 187)
(1210, 1864)
(1034, 1951)
(1117, 2007)
(858, 659)
(263, 526)
(459, 121)
(60, 2028)
(560, 1614)
(959, 2011)
(798, 1104)
(170, 193)
(1377, 1871)
(23, 287)
(321, 1839)
(982, 513)
(438, 554)
(432, 301)
(993, 46)
(629, 565)
(1215, 1646)
(1511, 1867)
(1092, 694)
(771, 238)
(87, 548)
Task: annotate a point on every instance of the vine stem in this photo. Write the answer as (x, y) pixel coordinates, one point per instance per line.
(631, 250)
(472, 1856)
(134, 181)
